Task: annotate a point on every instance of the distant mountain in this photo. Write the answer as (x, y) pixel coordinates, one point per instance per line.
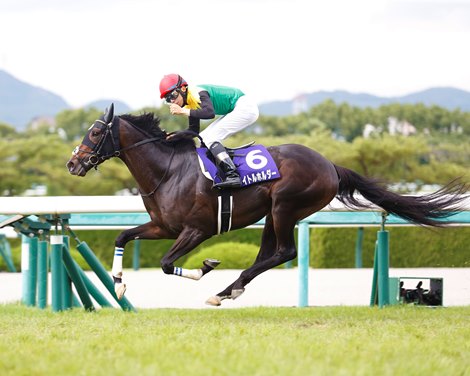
(445, 97)
(21, 102)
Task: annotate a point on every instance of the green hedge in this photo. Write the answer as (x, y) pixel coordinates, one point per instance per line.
(151, 251)
(329, 248)
(15, 255)
(233, 255)
(409, 247)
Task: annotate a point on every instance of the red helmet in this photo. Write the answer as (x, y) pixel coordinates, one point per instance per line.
(171, 82)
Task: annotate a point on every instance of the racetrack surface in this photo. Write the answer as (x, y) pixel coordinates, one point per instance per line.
(151, 288)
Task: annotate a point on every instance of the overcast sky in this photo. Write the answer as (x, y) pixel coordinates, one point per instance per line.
(85, 50)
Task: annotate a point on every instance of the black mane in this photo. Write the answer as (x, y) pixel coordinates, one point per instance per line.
(150, 123)
(147, 122)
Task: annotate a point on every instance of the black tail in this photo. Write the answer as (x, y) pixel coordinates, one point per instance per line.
(422, 210)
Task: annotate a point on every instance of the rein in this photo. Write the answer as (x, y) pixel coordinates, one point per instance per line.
(117, 153)
(143, 142)
(161, 180)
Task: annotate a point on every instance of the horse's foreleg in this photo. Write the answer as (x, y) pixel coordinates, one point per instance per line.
(116, 272)
(189, 239)
(146, 231)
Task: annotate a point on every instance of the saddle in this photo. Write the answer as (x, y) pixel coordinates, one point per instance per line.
(231, 151)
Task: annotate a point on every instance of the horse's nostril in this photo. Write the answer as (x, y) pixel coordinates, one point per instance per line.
(69, 165)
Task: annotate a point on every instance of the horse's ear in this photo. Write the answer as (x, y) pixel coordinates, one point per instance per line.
(109, 114)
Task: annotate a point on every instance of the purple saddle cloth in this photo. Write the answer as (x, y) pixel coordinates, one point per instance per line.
(254, 164)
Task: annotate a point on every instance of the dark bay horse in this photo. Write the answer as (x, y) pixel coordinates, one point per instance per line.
(183, 205)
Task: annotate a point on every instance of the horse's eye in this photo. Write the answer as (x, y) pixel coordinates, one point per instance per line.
(95, 133)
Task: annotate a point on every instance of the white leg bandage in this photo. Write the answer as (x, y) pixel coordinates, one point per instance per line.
(195, 274)
(117, 262)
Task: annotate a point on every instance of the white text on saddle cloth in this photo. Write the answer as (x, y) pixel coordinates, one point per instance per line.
(259, 176)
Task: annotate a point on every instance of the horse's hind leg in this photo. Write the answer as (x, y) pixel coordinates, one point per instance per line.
(268, 246)
(285, 251)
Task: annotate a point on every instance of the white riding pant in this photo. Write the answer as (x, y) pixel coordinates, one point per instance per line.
(244, 114)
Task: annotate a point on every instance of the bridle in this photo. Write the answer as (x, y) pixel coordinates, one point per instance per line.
(101, 151)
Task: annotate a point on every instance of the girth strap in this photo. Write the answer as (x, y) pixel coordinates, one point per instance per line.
(224, 212)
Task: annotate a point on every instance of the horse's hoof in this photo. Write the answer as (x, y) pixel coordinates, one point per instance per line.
(214, 301)
(208, 265)
(236, 293)
(120, 289)
(211, 263)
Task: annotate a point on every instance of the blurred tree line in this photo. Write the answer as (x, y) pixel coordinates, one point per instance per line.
(438, 152)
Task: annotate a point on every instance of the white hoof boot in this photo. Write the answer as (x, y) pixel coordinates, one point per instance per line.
(214, 301)
(195, 274)
(236, 293)
(120, 289)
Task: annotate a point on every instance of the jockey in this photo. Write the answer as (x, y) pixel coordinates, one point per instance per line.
(204, 102)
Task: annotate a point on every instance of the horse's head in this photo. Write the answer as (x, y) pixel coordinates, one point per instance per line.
(100, 143)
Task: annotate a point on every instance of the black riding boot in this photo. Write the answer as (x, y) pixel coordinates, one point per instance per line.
(227, 170)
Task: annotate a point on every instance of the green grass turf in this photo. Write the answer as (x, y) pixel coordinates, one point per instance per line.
(397, 340)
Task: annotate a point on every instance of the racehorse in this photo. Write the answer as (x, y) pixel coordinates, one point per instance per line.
(183, 205)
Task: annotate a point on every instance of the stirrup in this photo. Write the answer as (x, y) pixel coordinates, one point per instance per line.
(228, 183)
